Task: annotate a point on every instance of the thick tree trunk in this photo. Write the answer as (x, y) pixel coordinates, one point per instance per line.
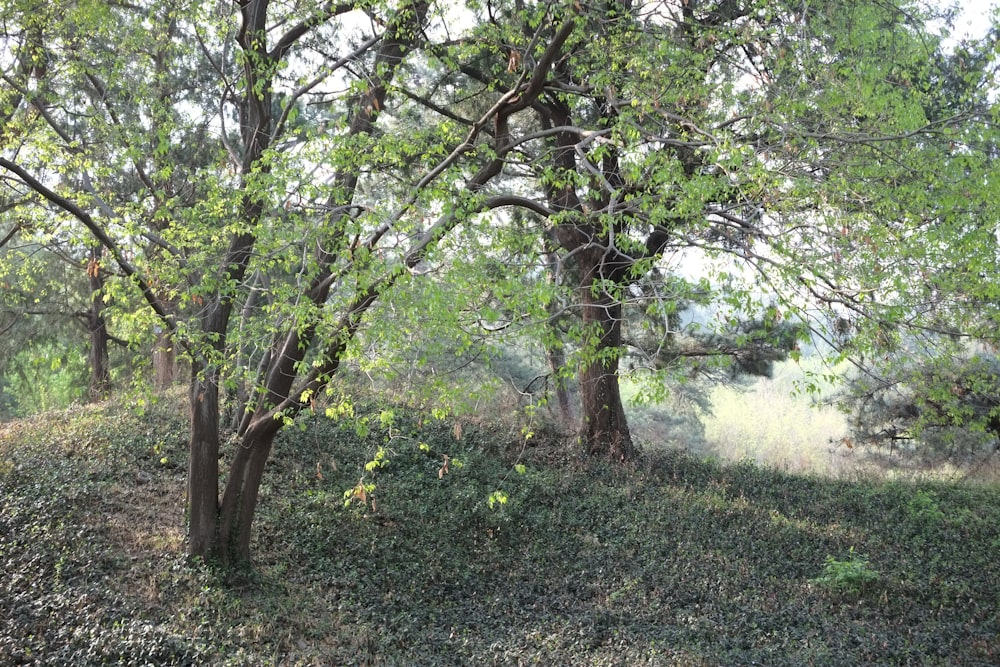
(203, 464)
(595, 259)
(239, 502)
(605, 429)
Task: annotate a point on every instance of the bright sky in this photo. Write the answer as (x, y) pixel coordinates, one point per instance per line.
(975, 19)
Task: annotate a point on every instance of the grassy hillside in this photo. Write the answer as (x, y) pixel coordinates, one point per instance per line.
(674, 561)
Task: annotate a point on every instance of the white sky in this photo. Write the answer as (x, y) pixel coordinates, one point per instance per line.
(975, 19)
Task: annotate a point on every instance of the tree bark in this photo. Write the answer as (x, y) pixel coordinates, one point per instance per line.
(164, 360)
(203, 463)
(605, 430)
(231, 521)
(100, 373)
(557, 364)
(239, 502)
(554, 352)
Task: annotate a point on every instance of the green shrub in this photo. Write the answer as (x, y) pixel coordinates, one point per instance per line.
(852, 576)
(923, 510)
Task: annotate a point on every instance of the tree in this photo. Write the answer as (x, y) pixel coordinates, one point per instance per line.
(942, 403)
(86, 96)
(924, 380)
(97, 327)
(631, 135)
(223, 248)
(51, 305)
(766, 133)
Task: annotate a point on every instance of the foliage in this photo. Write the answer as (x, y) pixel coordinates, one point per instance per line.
(923, 509)
(91, 543)
(852, 576)
(928, 405)
(43, 362)
(289, 190)
(67, 535)
(45, 376)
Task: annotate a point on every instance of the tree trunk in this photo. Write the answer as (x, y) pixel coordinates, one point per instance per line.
(595, 259)
(255, 128)
(557, 364)
(164, 360)
(223, 531)
(605, 429)
(239, 501)
(100, 373)
(203, 464)
(554, 352)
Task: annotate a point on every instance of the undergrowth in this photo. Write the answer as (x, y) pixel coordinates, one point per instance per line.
(674, 560)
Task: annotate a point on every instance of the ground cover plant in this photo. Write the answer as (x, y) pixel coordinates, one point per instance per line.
(673, 560)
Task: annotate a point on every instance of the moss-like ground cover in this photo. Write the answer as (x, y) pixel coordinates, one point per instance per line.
(671, 561)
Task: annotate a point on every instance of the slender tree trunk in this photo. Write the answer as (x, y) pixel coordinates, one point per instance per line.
(100, 373)
(605, 429)
(557, 365)
(554, 352)
(238, 400)
(164, 360)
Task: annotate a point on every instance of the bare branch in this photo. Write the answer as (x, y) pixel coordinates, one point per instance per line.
(10, 235)
(436, 108)
(523, 202)
(279, 126)
(322, 15)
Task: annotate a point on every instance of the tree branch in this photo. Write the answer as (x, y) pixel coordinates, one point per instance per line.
(102, 237)
(322, 15)
(279, 126)
(10, 234)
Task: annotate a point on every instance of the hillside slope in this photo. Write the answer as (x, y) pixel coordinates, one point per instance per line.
(675, 561)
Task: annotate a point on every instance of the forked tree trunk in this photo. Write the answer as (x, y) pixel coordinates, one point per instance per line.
(221, 532)
(224, 530)
(605, 429)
